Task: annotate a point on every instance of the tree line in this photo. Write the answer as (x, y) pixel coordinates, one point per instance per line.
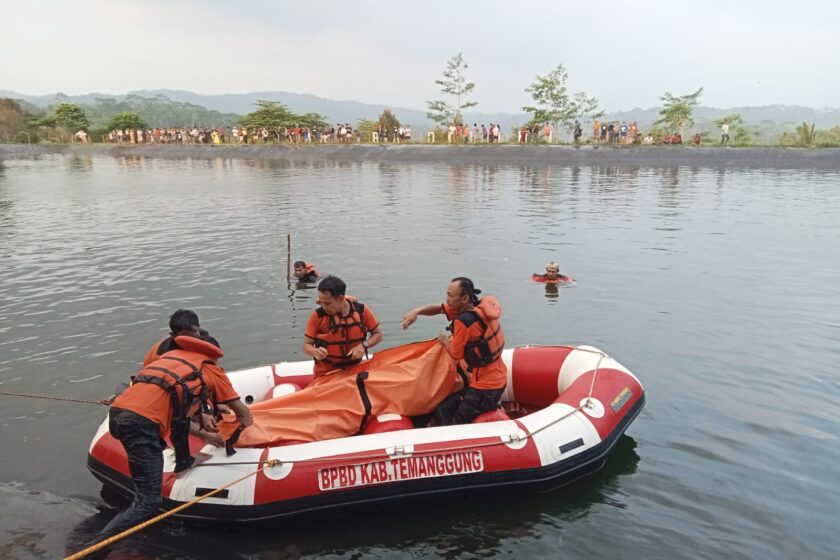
(551, 102)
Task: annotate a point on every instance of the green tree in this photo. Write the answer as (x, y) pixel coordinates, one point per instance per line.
(678, 110)
(553, 103)
(126, 119)
(737, 128)
(830, 137)
(367, 127)
(388, 122)
(805, 134)
(271, 115)
(313, 120)
(71, 117)
(455, 84)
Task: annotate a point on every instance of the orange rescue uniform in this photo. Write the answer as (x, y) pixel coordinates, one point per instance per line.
(339, 335)
(466, 330)
(155, 403)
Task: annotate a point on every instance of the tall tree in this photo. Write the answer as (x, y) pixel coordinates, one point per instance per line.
(553, 103)
(271, 115)
(388, 121)
(126, 119)
(678, 110)
(71, 117)
(806, 134)
(313, 120)
(455, 84)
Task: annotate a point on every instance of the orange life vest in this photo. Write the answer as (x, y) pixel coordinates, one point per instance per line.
(167, 344)
(561, 279)
(343, 334)
(311, 274)
(179, 373)
(488, 347)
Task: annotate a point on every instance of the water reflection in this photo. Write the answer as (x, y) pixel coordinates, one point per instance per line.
(488, 176)
(459, 528)
(78, 163)
(574, 180)
(6, 210)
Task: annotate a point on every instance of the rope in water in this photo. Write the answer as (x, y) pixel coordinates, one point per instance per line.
(11, 394)
(111, 540)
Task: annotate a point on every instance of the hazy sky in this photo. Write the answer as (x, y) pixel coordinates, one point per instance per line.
(626, 53)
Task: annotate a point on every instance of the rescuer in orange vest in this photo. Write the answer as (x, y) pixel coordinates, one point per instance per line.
(340, 331)
(476, 342)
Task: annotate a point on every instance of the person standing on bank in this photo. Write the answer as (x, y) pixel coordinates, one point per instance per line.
(476, 342)
(160, 402)
(340, 331)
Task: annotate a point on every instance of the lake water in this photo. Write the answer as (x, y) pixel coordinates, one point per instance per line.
(719, 288)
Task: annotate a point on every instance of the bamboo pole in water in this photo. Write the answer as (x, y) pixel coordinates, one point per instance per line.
(289, 257)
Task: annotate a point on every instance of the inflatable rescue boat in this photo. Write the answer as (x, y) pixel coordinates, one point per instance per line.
(563, 410)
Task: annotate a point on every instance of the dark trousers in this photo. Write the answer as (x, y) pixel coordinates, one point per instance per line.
(463, 407)
(142, 442)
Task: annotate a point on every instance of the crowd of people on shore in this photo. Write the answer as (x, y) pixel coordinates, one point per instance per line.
(338, 134)
(299, 134)
(603, 133)
(457, 133)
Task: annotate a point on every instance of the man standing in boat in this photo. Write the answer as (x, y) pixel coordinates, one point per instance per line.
(476, 342)
(340, 331)
(160, 402)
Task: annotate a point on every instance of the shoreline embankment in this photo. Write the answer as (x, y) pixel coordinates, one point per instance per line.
(504, 154)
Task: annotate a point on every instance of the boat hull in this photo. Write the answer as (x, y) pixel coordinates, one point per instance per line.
(596, 400)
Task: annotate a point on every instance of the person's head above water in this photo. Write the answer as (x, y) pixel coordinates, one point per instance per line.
(302, 269)
(552, 270)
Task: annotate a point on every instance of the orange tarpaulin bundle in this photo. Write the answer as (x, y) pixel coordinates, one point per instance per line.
(408, 380)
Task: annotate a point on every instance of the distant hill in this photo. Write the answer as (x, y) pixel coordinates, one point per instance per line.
(337, 111)
(767, 120)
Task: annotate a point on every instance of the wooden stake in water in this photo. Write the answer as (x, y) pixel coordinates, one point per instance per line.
(289, 257)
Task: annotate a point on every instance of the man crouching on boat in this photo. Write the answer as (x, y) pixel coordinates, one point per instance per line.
(160, 402)
(476, 341)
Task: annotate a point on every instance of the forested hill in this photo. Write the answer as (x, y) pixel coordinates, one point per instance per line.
(157, 110)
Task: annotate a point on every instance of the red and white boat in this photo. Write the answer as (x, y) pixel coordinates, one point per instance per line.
(567, 408)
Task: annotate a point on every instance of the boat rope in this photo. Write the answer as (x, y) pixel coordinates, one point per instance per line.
(11, 394)
(594, 377)
(111, 540)
(377, 456)
(569, 346)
